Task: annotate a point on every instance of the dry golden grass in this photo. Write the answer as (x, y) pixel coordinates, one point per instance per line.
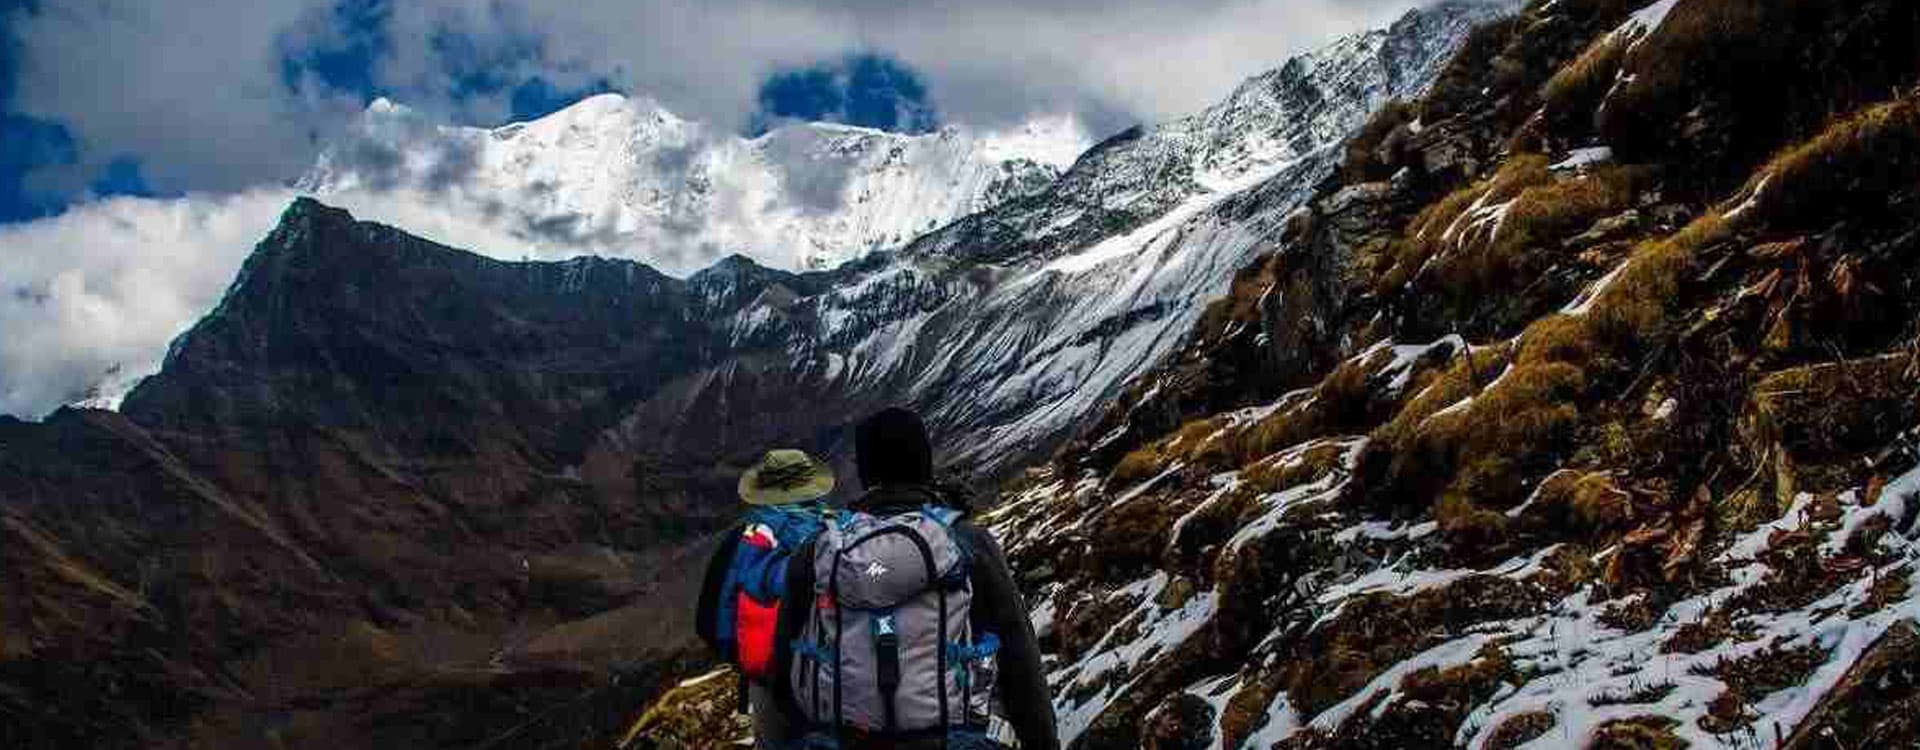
(1850, 166)
(1465, 377)
(1540, 218)
(1336, 405)
(1143, 463)
(1469, 526)
(1315, 463)
(1520, 729)
(1576, 90)
(1579, 505)
(1639, 733)
(1471, 257)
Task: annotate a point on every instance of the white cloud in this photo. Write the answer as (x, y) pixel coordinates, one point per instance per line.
(107, 285)
(195, 89)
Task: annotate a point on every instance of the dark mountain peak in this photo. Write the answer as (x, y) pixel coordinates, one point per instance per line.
(342, 320)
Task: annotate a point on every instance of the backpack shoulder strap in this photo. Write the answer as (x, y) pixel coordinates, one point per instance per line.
(707, 612)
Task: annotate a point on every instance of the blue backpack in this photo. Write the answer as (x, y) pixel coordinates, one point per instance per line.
(740, 603)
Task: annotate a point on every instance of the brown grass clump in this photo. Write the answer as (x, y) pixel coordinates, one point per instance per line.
(1638, 733)
(1634, 308)
(1195, 439)
(1528, 239)
(1311, 466)
(1470, 372)
(1486, 446)
(1144, 523)
(1475, 259)
(1461, 684)
(1826, 411)
(698, 714)
(1582, 505)
(1142, 464)
(1373, 632)
(1428, 234)
(1520, 729)
(1341, 403)
(1574, 93)
(1756, 676)
(1469, 527)
(1247, 707)
(1848, 169)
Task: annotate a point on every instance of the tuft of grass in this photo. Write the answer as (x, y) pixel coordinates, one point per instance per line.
(1311, 466)
(1469, 527)
(1340, 403)
(1520, 729)
(1638, 733)
(1487, 447)
(1820, 412)
(1575, 92)
(1539, 218)
(1580, 505)
(1143, 463)
(1479, 244)
(1847, 169)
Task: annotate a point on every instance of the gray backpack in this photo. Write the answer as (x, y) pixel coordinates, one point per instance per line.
(888, 650)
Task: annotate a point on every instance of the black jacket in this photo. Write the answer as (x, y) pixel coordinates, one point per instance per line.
(997, 608)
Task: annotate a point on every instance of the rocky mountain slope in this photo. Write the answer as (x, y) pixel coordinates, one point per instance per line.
(1580, 408)
(621, 175)
(389, 493)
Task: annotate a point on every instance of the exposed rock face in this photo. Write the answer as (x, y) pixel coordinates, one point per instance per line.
(1528, 432)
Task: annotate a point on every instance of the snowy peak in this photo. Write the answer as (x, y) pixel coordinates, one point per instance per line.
(622, 175)
(1270, 123)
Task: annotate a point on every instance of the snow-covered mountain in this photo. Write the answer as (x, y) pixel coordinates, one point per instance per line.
(621, 175)
(1011, 327)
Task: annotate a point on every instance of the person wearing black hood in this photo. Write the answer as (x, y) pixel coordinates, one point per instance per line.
(894, 459)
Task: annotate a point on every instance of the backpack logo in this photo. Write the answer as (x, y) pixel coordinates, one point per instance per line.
(875, 569)
(761, 536)
(883, 625)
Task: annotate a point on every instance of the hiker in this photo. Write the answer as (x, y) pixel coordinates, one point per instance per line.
(912, 634)
(741, 596)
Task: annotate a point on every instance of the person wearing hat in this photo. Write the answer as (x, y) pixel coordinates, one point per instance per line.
(741, 596)
(895, 460)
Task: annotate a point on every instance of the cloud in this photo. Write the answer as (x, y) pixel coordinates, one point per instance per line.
(192, 89)
(102, 288)
(814, 181)
(227, 94)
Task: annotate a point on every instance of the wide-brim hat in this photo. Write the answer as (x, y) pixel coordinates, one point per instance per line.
(785, 476)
